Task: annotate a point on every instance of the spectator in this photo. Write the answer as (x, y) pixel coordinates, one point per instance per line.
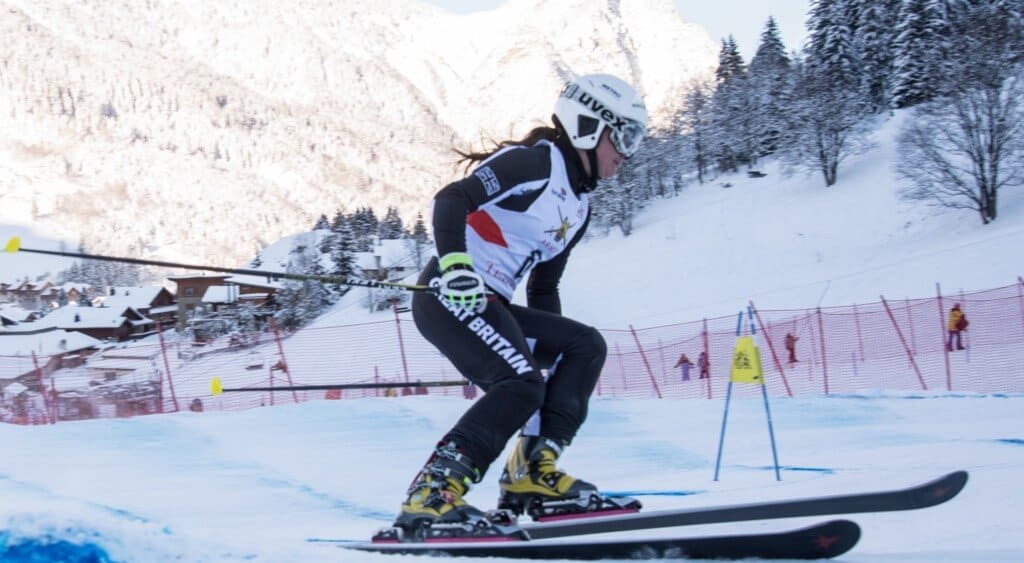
(704, 365)
(791, 347)
(196, 405)
(957, 323)
(684, 364)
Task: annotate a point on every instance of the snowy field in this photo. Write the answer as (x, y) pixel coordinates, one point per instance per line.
(255, 485)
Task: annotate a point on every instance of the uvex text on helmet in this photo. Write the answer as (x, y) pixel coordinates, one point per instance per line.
(592, 102)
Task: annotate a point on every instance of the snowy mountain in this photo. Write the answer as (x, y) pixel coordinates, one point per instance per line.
(201, 131)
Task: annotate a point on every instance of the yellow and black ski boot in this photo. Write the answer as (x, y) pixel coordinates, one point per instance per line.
(435, 510)
(532, 484)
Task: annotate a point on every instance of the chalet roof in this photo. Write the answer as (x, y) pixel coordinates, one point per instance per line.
(255, 281)
(136, 297)
(14, 312)
(45, 343)
(185, 277)
(220, 294)
(74, 317)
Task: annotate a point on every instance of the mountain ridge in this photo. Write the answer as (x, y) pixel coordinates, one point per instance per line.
(224, 126)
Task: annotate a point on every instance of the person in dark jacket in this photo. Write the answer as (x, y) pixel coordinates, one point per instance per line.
(516, 218)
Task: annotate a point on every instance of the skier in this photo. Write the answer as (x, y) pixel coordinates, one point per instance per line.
(516, 217)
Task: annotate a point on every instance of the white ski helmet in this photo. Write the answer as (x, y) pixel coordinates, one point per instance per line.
(592, 102)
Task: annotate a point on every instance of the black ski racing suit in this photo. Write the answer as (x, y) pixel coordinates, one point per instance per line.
(493, 349)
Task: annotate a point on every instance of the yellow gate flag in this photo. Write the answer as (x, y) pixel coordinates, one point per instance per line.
(746, 362)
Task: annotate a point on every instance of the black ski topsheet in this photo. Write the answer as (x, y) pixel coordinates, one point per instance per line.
(821, 541)
(924, 495)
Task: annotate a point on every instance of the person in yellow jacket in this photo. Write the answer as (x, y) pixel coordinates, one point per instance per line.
(955, 325)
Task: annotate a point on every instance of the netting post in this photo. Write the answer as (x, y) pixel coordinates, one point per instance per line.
(401, 343)
(860, 337)
(647, 365)
(283, 364)
(824, 352)
(1020, 299)
(167, 370)
(707, 355)
(903, 340)
(771, 348)
(42, 391)
(622, 368)
(942, 331)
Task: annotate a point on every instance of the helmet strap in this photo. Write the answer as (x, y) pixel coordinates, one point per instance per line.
(594, 177)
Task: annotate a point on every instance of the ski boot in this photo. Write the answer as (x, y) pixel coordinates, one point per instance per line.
(435, 510)
(531, 484)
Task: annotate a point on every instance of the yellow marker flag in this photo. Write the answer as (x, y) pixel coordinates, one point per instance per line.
(13, 245)
(215, 387)
(746, 362)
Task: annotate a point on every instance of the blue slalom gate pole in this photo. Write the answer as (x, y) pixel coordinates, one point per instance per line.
(725, 417)
(771, 432)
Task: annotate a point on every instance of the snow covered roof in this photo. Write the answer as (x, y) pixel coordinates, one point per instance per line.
(221, 294)
(75, 317)
(14, 312)
(46, 343)
(138, 297)
(122, 364)
(255, 281)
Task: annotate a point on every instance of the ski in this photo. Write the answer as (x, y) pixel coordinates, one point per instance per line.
(821, 541)
(924, 495)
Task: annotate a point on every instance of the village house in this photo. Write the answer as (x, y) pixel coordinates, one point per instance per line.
(155, 302)
(213, 293)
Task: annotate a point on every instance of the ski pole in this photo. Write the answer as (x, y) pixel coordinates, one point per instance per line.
(216, 387)
(14, 245)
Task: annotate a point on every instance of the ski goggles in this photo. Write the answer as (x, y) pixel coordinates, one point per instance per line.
(626, 139)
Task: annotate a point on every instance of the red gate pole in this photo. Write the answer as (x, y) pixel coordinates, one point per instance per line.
(707, 356)
(771, 348)
(860, 337)
(622, 369)
(1020, 299)
(167, 370)
(48, 416)
(910, 325)
(824, 352)
(401, 343)
(283, 363)
(906, 348)
(643, 356)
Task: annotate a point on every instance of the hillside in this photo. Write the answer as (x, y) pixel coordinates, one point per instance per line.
(202, 131)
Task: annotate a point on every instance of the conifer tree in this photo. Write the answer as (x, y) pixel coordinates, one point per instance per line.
(769, 81)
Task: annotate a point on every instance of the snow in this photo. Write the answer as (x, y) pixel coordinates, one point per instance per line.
(254, 485)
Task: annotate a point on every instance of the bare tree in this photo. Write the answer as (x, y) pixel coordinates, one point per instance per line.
(960, 149)
(829, 123)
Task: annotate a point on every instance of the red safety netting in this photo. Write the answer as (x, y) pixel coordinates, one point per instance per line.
(898, 345)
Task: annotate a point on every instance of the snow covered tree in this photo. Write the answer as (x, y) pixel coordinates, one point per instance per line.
(301, 301)
(322, 223)
(343, 259)
(418, 242)
(873, 42)
(695, 123)
(732, 141)
(831, 47)
(827, 124)
(963, 147)
(920, 51)
(391, 227)
(769, 80)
